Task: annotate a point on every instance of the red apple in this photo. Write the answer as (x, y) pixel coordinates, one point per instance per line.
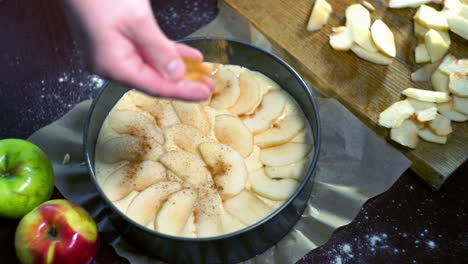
(57, 231)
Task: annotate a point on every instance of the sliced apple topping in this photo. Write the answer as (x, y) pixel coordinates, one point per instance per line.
(135, 123)
(192, 114)
(227, 168)
(436, 45)
(440, 81)
(274, 189)
(284, 154)
(209, 220)
(187, 166)
(190, 228)
(429, 136)
(383, 38)
(460, 104)
(426, 95)
(250, 94)
(458, 84)
(129, 148)
(227, 89)
(252, 162)
(123, 203)
(446, 109)
(431, 18)
(230, 130)
(441, 125)
(175, 212)
(182, 137)
(267, 113)
(160, 109)
(319, 16)
(341, 39)
(406, 134)
(292, 171)
(247, 208)
(395, 114)
(281, 132)
(147, 203)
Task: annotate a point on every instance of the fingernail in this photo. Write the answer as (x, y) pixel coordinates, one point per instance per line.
(175, 69)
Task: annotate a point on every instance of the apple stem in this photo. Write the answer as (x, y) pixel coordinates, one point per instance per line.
(52, 232)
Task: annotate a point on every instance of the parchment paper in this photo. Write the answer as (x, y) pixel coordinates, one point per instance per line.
(354, 165)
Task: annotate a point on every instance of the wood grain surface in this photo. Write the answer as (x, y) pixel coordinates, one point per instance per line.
(364, 88)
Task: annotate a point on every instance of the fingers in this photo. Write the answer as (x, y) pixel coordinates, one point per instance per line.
(188, 52)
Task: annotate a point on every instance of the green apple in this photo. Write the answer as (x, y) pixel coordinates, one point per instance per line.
(26, 177)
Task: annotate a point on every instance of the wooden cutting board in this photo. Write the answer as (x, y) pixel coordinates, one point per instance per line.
(364, 88)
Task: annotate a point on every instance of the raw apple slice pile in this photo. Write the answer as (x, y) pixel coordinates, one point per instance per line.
(209, 168)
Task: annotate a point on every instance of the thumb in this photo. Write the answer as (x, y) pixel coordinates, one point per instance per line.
(157, 50)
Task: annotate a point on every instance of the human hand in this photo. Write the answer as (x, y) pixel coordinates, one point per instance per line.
(122, 42)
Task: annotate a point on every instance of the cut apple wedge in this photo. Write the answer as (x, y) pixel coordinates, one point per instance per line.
(421, 55)
(281, 132)
(250, 94)
(429, 136)
(425, 111)
(247, 208)
(395, 114)
(319, 16)
(129, 148)
(406, 134)
(192, 114)
(230, 130)
(451, 64)
(459, 26)
(227, 89)
(187, 166)
(424, 73)
(383, 38)
(267, 112)
(460, 104)
(458, 84)
(209, 221)
(133, 177)
(274, 189)
(407, 3)
(252, 162)
(436, 45)
(431, 18)
(285, 154)
(368, 5)
(175, 212)
(227, 168)
(426, 95)
(341, 40)
(358, 15)
(446, 109)
(440, 81)
(463, 11)
(291, 171)
(123, 203)
(181, 137)
(441, 125)
(420, 30)
(135, 123)
(148, 202)
(374, 57)
(363, 37)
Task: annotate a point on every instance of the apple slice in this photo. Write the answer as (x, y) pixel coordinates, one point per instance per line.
(420, 30)
(135, 123)
(161, 109)
(227, 89)
(291, 171)
(436, 45)
(230, 130)
(252, 162)
(230, 223)
(341, 40)
(274, 189)
(285, 154)
(363, 37)
(421, 54)
(426, 95)
(358, 15)
(406, 134)
(281, 132)
(247, 208)
(129, 148)
(104, 170)
(270, 203)
(374, 57)
(459, 26)
(440, 81)
(267, 112)
(463, 11)
(181, 137)
(395, 114)
(319, 16)
(441, 125)
(460, 104)
(175, 212)
(187, 166)
(209, 222)
(451, 64)
(190, 228)
(146, 204)
(407, 3)
(446, 109)
(227, 168)
(383, 38)
(458, 84)
(429, 136)
(250, 94)
(133, 177)
(123, 203)
(425, 111)
(431, 18)
(192, 114)
(305, 136)
(368, 5)
(424, 73)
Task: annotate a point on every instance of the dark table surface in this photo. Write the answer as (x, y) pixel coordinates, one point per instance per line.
(42, 77)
